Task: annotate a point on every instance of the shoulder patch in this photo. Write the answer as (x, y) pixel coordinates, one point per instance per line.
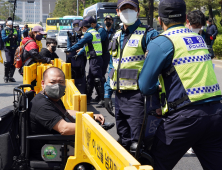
(194, 43)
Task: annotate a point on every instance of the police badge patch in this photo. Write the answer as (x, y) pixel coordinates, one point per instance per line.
(133, 43)
(194, 43)
(98, 36)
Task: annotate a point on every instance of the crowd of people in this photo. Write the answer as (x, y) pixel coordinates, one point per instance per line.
(141, 64)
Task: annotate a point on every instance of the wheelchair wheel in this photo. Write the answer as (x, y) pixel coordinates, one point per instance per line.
(84, 166)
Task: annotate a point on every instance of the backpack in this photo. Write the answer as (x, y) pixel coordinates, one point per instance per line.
(18, 55)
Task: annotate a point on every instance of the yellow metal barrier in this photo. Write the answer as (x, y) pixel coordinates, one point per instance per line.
(1, 59)
(73, 99)
(95, 146)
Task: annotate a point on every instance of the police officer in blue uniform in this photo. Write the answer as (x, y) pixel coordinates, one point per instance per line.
(179, 57)
(105, 43)
(78, 64)
(10, 38)
(108, 21)
(1, 42)
(25, 31)
(93, 49)
(129, 46)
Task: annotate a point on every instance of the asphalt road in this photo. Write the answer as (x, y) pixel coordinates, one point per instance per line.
(188, 162)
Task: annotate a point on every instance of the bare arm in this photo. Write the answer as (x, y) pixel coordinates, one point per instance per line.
(72, 112)
(65, 128)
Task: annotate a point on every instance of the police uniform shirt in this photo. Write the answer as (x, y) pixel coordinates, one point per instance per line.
(145, 42)
(159, 58)
(110, 32)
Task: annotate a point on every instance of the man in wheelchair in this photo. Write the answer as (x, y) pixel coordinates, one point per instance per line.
(47, 112)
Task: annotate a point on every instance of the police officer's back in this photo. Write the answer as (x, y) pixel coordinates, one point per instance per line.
(180, 58)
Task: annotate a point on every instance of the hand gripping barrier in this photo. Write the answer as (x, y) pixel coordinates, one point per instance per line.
(95, 146)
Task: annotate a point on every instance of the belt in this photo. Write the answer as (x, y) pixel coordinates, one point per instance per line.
(125, 91)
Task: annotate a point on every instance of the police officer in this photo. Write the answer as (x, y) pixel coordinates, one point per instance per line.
(192, 103)
(18, 34)
(1, 42)
(108, 21)
(10, 38)
(78, 63)
(93, 49)
(25, 31)
(105, 53)
(129, 46)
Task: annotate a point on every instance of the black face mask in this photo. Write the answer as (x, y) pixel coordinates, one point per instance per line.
(108, 24)
(53, 48)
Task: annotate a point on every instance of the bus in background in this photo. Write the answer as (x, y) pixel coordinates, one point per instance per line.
(66, 22)
(51, 23)
(61, 23)
(102, 9)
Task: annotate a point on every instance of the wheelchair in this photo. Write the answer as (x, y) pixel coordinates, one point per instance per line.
(62, 144)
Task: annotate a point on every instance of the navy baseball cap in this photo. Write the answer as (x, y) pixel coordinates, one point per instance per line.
(84, 23)
(76, 21)
(90, 19)
(108, 17)
(134, 3)
(172, 8)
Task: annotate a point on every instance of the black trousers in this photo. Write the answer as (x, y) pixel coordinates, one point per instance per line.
(196, 126)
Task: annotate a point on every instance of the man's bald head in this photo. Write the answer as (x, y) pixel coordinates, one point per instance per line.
(52, 70)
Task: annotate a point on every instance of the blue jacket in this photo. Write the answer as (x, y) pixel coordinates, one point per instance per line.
(131, 29)
(159, 58)
(6, 38)
(102, 32)
(110, 33)
(212, 30)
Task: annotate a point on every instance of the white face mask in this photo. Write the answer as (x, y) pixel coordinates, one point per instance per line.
(83, 32)
(207, 24)
(196, 30)
(128, 16)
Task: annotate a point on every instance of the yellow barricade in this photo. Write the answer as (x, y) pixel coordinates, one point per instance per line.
(95, 146)
(73, 99)
(1, 59)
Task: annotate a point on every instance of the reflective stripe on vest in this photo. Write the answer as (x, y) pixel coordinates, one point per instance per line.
(193, 65)
(130, 63)
(7, 43)
(96, 42)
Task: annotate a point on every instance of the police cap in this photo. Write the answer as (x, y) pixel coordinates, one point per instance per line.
(84, 23)
(108, 17)
(90, 19)
(172, 8)
(76, 21)
(134, 3)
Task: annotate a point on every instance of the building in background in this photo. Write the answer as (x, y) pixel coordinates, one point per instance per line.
(35, 12)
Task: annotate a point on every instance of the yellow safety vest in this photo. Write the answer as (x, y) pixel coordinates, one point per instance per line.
(127, 62)
(94, 49)
(192, 62)
(7, 43)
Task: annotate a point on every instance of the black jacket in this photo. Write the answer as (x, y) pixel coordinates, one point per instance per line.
(46, 53)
